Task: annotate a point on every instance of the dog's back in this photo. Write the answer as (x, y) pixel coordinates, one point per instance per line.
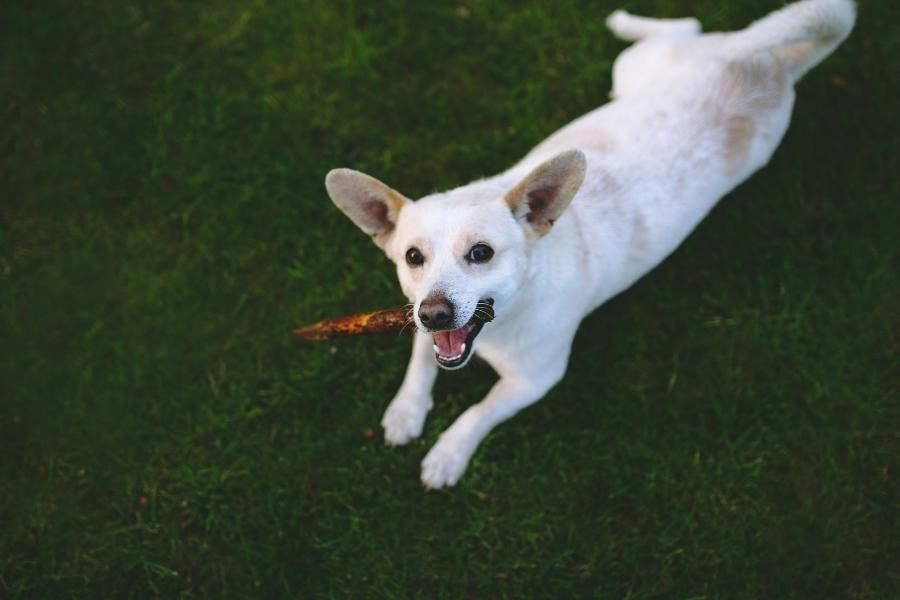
(693, 116)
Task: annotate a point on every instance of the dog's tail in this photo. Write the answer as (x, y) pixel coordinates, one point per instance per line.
(800, 34)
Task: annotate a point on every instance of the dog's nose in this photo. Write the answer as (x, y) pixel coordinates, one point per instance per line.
(436, 312)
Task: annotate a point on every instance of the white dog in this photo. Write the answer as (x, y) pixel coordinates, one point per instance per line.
(586, 213)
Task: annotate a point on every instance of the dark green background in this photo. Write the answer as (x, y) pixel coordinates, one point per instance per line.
(728, 428)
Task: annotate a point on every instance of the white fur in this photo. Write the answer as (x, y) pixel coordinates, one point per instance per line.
(693, 116)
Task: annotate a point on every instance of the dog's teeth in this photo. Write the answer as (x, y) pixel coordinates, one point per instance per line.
(457, 356)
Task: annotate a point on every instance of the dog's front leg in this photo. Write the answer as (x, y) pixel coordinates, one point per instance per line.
(447, 460)
(405, 416)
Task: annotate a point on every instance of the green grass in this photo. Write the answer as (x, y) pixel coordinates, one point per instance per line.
(728, 428)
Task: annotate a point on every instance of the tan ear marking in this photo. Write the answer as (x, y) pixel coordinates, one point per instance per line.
(370, 204)
(542, 196)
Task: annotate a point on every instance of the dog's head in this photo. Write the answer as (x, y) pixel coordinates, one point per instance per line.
(462, 254)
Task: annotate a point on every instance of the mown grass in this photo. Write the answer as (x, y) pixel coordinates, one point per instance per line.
(727, 428)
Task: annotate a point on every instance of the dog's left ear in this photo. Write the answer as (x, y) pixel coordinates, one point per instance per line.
(370, 204)
(540, 198)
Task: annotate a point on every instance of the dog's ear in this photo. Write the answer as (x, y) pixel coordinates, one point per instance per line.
(540, 198)
(370, 204)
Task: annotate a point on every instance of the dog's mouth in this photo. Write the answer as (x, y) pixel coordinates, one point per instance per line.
(452, 348)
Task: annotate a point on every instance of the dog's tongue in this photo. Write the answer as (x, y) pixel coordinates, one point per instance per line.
(450, 343)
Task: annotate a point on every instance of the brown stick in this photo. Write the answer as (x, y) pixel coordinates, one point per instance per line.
(376, 321)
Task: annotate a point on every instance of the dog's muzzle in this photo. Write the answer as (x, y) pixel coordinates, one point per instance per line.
(453, 347)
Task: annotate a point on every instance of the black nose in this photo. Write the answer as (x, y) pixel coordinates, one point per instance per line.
(436, 312)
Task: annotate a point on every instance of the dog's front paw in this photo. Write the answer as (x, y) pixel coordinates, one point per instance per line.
(402, 423)
(444, 464)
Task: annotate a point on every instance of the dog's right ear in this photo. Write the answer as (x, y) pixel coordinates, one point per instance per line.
(372, 205)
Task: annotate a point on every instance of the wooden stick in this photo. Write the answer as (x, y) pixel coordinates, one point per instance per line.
(376, 321)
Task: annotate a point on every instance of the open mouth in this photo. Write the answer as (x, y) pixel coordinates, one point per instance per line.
(452, 348)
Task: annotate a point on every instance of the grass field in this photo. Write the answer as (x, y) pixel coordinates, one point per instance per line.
(728, 427)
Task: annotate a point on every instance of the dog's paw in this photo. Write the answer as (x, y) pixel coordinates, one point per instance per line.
(402, 423)
(617, 20)
(444, 465)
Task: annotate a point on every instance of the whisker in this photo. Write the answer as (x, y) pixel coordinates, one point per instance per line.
(409, 321)
(484, 312)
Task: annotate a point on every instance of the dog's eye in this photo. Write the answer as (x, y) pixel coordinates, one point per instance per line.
(480, 253)
(414, 257)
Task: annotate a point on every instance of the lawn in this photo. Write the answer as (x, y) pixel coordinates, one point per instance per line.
(728, 427)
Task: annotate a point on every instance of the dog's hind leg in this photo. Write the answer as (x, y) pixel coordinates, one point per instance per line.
(642, 63)
(632, 28)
